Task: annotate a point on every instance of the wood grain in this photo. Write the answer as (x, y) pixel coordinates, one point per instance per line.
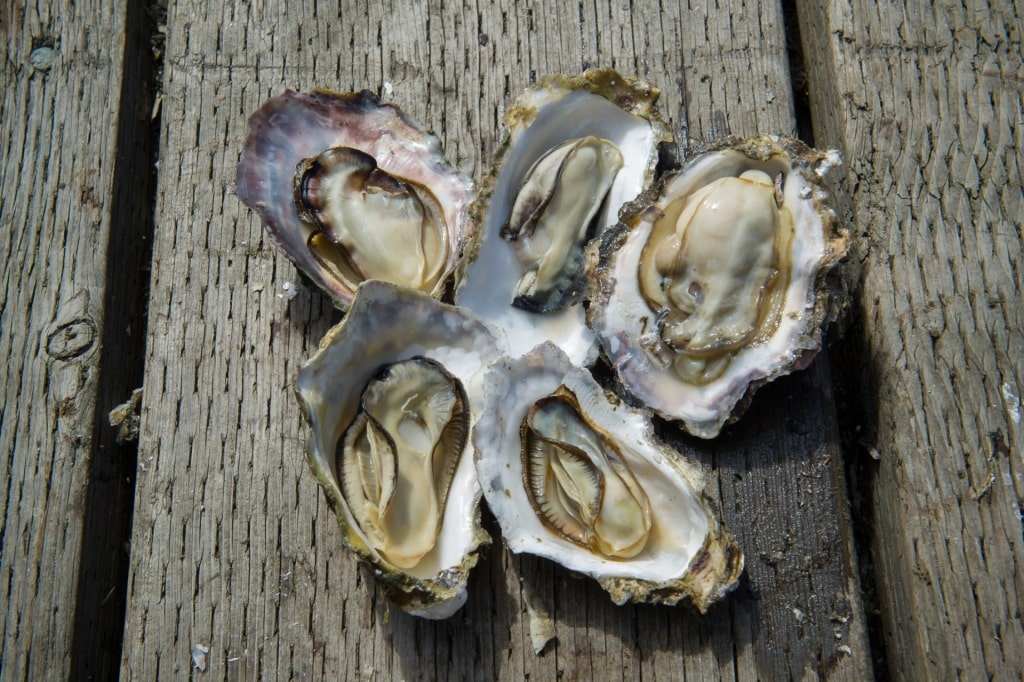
(70, 307)
(926, 103)
(233, 546)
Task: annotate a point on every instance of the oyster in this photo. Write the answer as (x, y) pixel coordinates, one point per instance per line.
(391, 396)
(580, 480)
(718, 286)
(350, 189)
(551, 217)
(577, 149)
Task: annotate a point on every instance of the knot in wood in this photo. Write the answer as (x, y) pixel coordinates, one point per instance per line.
(71, 339)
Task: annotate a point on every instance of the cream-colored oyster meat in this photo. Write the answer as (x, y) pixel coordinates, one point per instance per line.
(350, 189)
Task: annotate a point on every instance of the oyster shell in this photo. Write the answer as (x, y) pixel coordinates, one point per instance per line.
(351, 189)
(718, 286)
(578, 148)
(391, 395)
(575, 478)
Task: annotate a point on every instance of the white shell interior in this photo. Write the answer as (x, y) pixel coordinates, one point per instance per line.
(387, 325)
(490, 282)
(680, 523)
(624, 318)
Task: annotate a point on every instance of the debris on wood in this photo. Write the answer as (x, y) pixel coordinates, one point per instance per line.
(542, 627)
(43, 57)
(1012, 401)
(872, 450)
(199, 657)
(291, 290)
(125, 418)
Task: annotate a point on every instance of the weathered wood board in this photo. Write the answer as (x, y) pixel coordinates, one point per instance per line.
(73, 207)
(235, 550)
(925, 100)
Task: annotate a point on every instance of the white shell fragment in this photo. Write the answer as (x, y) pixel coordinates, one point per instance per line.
(718, 285)
(199, 653)
(390, 389)
(557, 111)
(647, 493)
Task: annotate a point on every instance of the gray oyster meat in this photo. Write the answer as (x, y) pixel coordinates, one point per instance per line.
(578, 148)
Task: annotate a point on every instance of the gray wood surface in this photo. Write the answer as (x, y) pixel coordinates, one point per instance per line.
(926, 103)
(234, 549)
(70, 300)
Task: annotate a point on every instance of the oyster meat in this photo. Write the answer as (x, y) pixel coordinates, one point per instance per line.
(351, 189)
(581, 480)
(551, 217)
(578, 148)
(391, 396)
(718, 286)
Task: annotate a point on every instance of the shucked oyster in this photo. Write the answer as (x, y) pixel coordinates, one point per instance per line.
(577, 149)
(575, 478)
(718, 286)
(350, 189)
(391, 396)
(551, 218)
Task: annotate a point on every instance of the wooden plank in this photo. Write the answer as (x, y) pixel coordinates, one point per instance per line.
(926, 103)
(235, 549)
(70, 310)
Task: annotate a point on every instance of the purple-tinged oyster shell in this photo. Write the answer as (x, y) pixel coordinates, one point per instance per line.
(287, 137)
